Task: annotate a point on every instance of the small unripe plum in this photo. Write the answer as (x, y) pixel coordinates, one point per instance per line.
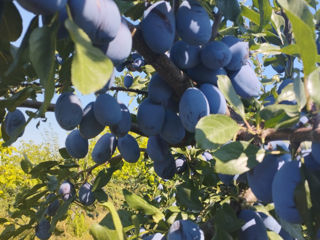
(76, 145)
(253, 227)
(104, 148)
(68, 111)
(150, 117)
(66, 190)
(43, 7)
(184, 55)
(215, 55)
(185, 230)
(129, 148)
(158, 27)
(86, 196)
(158, 90)
(122, 127)
(107, 110)
(13, 121)
(193, 23)
(127, 81)
(89, 126)
(216, 100)
(201, 74)
(172, 130)
(192, 107)
(43, 229)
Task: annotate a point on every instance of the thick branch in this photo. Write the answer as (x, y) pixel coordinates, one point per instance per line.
(36, 105)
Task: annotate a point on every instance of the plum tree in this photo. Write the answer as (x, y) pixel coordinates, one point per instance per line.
(193, 23)
(13, 122)
(43, 7)
(201, 74)
(185, 229)
(76, 145)
(172, 130)
(158, 90)
(104, 148)
(107, 110)
(216, 100)
(67, 191)
(127, 81)
(129, 148)
(43, 229)
(215, 55)
(122, 128)
(86, 196)
(68, 111)
(184, 55)
(159, 39)
(253, 228)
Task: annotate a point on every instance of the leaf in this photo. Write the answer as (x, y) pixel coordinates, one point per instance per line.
(277, 115)
(116, 219)
(225, 86)
(42, 44)
(226, 219)
(278, 22)
(273, 236)
(91, 69)
(103, 177)
(42, 168)
(61, 212)
(237, 157)
(26, 165)
(100, 195)
(64, 153)
(229, 8)
(99, 232)
(11, 23)
(139, 203)
(214, 130)
(299, 92)
(265, 10)
(287, 94)
(16, 100)
(220, 233)
(270, 49)
(314, 85)
(188, 195)
(136, 11)
(293, 229)
(250, 14)
(304, 31)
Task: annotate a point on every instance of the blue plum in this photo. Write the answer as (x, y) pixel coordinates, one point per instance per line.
(89, 126)
(181, 164)
(193, 106)
(184, 55)
(137, 61)
(165, 169)
(127, 81)
(43, 7)
(158, 27)
(246, 82)
(120, 47)
(216, 100)
(253, 227)
(54, 205)
(107, 110)
(66, 190)
(239, 50)
(283, 188)
(172, 130)
(100, 19)
(43, 229)
(315, 151)
(185, 230)
(193, 23)
(157, 236)
(201, 74)
(108, 85)
(159, 90)
(68, 111)
(76, 145)
(13, 121)
(129, 148)
(278, 68)
(226, 179)
(158, 149)
(215, 55)
(173, 104)
(311, 163)
(150, 117)
(123, 127)
(104, 148)
(86, 196)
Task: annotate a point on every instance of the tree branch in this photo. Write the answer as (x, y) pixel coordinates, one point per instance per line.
(123, 89)
(215, 26)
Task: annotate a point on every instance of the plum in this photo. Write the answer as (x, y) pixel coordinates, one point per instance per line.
(184, 55)
(54, 205)
(181, 164)
(311, 163)
(226, 178)
(193, 23)
(216, 100)
(315, 151)
(239, 51)
(158, 90)
(246, 82)
(86, 196)
(129, 148)
(283, 188)
(207, 156)
(253, 227)
(13, 121)
(157, 236)
(215, 55)
(278, 68)
(76, 145)
(107, 110)
(137, 61)
(66, 190)
(158, 149)
(201, 74)
(68, 110)
(122, 127)
(104, 148)
(158, 27)
(150, 117)
(89, 126)
(127, 81)
(43, 229)
(185, 230)
(100, 19)
(43, 7)
(193, 106)
(165, 169)
(173, 104)
(120, 47)
(172, 130)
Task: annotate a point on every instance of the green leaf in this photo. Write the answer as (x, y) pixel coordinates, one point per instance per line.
(136, 11)
(64, 153)
(103, 177)
(299, 91)
(139, 203)
(304, 31)
(188, 195)
(250, 14)
(100, 195)
(273, 236)
(287, 94)
(314, 85)
(42, 44)
(99, 232)
(293, 229)
(43, 168)
(124, 5)
(61, 213)
(14, 101)
(10, 23)
(214, 130)
(225, 86)
(226, 219)
(229, 8)
(220, 233)
(279, 23)
(116, 219)
(270, 49)
(91, 69)
(265, 10)
(237, 157)
(276, 115)
(26, 165)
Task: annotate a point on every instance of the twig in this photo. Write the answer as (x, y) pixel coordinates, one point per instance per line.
(123, 89)
(215, 26)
